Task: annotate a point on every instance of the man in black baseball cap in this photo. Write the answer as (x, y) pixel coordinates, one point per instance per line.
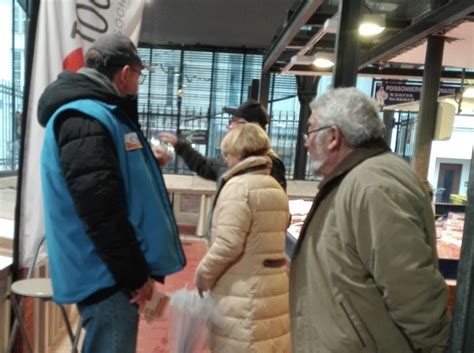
(113, 50)
(211, 168)
(251, 111)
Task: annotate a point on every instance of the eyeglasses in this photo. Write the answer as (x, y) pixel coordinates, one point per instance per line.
(306, 135)
(143, 75)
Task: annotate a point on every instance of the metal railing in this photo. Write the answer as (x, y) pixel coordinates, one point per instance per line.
(205, 130)
(10, 128)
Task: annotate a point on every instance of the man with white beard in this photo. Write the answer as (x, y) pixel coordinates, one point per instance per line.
(364, 272)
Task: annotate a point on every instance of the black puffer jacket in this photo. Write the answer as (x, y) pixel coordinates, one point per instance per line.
(90, 163)
(213, 168)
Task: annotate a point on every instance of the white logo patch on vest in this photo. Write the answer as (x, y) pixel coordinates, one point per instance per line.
(132, 142)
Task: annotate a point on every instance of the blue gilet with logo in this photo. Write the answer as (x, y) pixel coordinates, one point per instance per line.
(77, 271)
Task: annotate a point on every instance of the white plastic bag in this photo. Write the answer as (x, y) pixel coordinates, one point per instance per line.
(189, 320)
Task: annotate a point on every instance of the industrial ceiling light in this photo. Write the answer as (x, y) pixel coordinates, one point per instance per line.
(323, 60)
(372, 25)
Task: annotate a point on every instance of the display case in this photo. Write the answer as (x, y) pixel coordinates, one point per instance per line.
(449, 229)
(299, 209)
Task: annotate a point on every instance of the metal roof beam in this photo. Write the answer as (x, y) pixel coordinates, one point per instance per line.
(318, 18)
(389, 73)
(291, 30)
(432, 22)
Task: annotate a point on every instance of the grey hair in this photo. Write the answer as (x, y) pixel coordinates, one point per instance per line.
(355, 114)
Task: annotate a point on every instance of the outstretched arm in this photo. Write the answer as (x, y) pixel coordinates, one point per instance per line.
(205, 167)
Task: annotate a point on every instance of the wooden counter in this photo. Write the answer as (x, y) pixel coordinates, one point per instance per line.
(302, 189)
(195, 185)
(192, 185)
(5, 280)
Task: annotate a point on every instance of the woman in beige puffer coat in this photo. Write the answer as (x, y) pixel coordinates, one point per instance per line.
(244, 267)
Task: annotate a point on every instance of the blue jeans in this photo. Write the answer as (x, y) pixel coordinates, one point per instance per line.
(111, 325)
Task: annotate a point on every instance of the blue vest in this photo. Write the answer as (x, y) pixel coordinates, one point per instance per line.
(77, 270)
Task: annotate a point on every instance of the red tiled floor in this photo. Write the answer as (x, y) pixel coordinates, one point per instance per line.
(154, 338)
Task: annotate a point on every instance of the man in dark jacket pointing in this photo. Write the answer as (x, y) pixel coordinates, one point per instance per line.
(250, 111)
(109, 226)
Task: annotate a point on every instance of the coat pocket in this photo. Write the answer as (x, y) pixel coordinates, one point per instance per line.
(358, 328)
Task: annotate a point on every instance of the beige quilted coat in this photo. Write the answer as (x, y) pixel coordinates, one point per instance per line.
(248, 226)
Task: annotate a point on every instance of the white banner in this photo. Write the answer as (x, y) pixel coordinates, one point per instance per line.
(65, 30)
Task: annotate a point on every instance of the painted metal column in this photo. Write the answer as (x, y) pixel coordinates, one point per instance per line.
(462, 339)
(389, 121)
(254, 88)
(347, 43)
(264, 91)
(307, 89)
(428, 106)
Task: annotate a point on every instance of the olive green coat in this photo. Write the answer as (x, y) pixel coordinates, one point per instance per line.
(364, 275)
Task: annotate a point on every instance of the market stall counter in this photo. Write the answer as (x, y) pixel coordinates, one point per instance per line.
(449, 230)
(193, 184)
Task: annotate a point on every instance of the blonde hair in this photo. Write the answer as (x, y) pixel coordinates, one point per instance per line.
(246, 140)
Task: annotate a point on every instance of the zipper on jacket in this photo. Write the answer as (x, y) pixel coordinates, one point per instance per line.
(353, 326)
